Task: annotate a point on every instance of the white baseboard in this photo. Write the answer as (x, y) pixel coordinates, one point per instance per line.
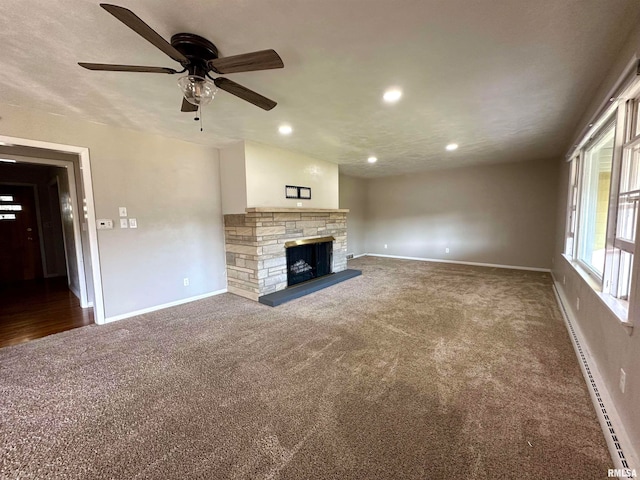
(358, 256)
(476, 264)
(163, 306)
(620, 447)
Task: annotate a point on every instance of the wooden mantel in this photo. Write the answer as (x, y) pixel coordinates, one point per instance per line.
(295, 210)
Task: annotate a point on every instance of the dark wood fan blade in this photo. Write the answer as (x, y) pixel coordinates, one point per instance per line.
(125, 68)
(188, 107)
(136, 24)
(244, 93)
(247, 62)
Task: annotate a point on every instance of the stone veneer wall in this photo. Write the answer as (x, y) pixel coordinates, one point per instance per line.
(254, 243)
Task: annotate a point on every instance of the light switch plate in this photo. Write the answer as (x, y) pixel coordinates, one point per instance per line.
(133, 223)
(123, 211)
(124, 223)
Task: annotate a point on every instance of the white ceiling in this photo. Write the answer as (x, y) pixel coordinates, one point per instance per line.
(506, 79)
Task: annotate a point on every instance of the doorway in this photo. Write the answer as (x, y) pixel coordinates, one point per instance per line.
(39, 290)
(63, 278)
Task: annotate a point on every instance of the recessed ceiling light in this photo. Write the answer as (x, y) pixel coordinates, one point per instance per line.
(392, 95)
(452, 146)
(285, 129)
(372, 159)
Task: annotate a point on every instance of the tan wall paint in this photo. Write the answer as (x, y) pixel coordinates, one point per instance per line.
(269, 169)
(172, 188)
(68, 232)
(233, 179)
(56, 256)
(610, 344)
(353, 196)
(500, 214)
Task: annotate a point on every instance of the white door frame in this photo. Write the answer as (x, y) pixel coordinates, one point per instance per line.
(85, 171)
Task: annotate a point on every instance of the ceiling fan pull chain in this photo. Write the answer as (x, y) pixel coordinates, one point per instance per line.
(200, 111)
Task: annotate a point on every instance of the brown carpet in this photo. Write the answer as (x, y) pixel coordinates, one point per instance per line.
(412, 371)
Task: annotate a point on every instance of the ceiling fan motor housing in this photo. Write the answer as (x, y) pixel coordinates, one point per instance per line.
(197, 49)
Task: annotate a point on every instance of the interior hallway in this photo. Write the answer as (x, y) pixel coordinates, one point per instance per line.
(37, 308)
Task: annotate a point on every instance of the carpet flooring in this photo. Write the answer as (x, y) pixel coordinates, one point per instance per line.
(413, 370)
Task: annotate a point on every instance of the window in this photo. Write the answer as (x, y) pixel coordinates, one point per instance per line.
(572, 204)
(594, 201)
(603, 201)
(623, 250)
(4, 207)
(11, 208)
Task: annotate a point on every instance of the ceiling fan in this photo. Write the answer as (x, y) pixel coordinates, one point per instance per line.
(199, 58)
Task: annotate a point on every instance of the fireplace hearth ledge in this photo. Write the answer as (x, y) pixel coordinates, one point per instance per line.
(302, 289)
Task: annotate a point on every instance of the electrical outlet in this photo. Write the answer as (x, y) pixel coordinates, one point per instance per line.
(299, 204)
(446, 250)
(578, 303)
(185, 281)
(104, 224)
(133, 223)
(124, 223)
(385, 245)
(623, 380)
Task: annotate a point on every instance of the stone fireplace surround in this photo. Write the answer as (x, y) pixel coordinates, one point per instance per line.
(255, 250)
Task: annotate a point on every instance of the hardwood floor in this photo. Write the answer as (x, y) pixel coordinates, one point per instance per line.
(37, 308)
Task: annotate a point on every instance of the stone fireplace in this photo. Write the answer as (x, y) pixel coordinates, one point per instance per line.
(256, 246)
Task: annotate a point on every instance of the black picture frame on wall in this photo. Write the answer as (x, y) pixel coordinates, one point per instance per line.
(301, 193)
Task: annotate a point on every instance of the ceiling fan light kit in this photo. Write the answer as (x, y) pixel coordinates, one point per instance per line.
(197, 90)
(199, 58)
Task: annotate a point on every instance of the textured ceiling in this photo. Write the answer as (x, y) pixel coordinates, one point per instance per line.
(506, 79)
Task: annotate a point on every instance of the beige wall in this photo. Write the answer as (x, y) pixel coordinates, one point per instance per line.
(610, 344)
(353, 197)
(56, 262)
(172, 188)
(269, 169)
(499, 214)
(233, 179)
(68, 232)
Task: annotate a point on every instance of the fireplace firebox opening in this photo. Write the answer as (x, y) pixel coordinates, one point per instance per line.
(308, 259)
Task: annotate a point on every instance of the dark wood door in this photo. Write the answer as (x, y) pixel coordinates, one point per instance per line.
(20, 257)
